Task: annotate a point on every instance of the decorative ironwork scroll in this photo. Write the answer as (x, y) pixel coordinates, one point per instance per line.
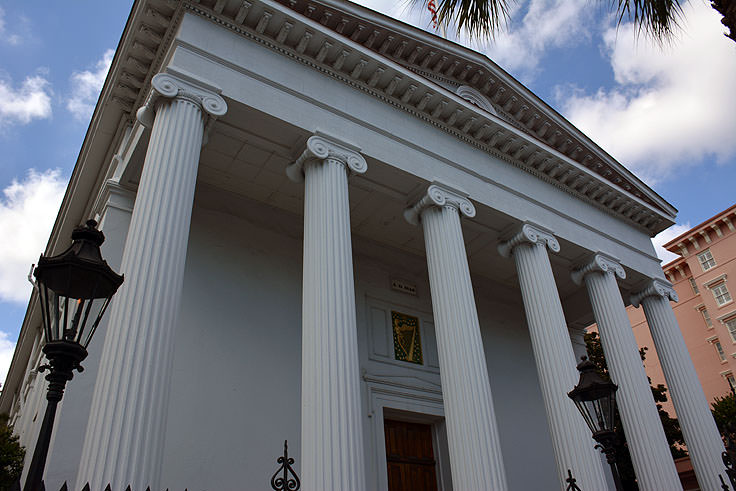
(724, 486)
(571, 482)
(728, 462)
(281, 480)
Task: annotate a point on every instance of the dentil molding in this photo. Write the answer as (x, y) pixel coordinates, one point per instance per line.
(600, 263)
(171, 86)
(529, 233)
(321, 147)
(656, 287)
(439, 194)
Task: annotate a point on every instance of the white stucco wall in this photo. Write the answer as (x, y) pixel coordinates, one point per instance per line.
(235, 392)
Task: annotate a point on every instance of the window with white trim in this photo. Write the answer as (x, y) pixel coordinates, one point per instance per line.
(731, 326)
(706, 260)
(694, 286)
(721, 294)
(719, 350)
(731, 381)
(706, 317)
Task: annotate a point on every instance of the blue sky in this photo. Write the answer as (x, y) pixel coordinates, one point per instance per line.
(667, 113)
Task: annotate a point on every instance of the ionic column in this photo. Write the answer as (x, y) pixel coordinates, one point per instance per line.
(125, 433)
(554, 356)
(472, 434)
(332, 432)
(650, 453)
(701, 435)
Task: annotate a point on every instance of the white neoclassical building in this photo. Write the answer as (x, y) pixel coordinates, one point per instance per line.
(346, 232)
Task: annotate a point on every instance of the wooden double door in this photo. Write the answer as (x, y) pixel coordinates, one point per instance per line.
(410, 456)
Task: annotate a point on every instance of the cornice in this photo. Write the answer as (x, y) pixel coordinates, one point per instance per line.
(352, 59)
(383, 57)
(434, 55)
(151, 28)
(720, 224)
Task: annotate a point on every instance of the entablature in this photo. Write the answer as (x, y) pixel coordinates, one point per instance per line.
(411, 70)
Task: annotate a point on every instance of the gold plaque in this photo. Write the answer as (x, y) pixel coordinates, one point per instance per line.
(407, 340)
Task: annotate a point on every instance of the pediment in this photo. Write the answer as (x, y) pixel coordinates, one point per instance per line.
(422, 74)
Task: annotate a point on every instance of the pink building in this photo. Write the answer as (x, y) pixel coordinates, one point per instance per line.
(706, 311)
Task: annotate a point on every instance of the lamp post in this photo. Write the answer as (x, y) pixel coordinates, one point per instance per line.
(595, 398)
(75, 289)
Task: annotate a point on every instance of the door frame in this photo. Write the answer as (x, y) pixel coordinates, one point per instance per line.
(413, 406)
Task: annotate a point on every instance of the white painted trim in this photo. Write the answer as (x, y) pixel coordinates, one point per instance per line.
(716, 281)
(424, 404)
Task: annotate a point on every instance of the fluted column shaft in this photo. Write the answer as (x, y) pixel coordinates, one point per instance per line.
(332, 456)
(554, 357)
(701, 435)
(125, 434)
(472, 433)
(650, 453)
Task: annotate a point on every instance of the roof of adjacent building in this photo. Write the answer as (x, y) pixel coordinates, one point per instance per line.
(726, 216)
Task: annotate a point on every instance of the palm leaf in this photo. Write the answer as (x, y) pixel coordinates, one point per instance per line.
(477, 18)
(657, 18)
(482, 19)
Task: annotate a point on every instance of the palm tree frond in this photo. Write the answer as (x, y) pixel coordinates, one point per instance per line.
(477, 18)
(657, 18)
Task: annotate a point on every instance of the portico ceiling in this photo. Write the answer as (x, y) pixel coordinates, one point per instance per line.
(245, 160)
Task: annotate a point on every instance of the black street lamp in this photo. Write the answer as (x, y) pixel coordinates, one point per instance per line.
(595, 398)
(75, 289)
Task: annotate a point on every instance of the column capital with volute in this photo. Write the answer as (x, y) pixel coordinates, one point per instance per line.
(656, 287)
(600, 263)
(440, 195)
(321, 147)
(173, 86)
(529, 233)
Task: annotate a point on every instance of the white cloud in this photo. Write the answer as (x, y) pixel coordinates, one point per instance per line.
(665, 236)
(543, 25)
(5, 36)
(27, 212)
(671, 106)
(86, 86)
(7, 348)
(31, 101)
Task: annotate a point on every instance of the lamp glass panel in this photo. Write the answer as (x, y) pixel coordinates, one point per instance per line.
(585, 410)
(70, 319)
